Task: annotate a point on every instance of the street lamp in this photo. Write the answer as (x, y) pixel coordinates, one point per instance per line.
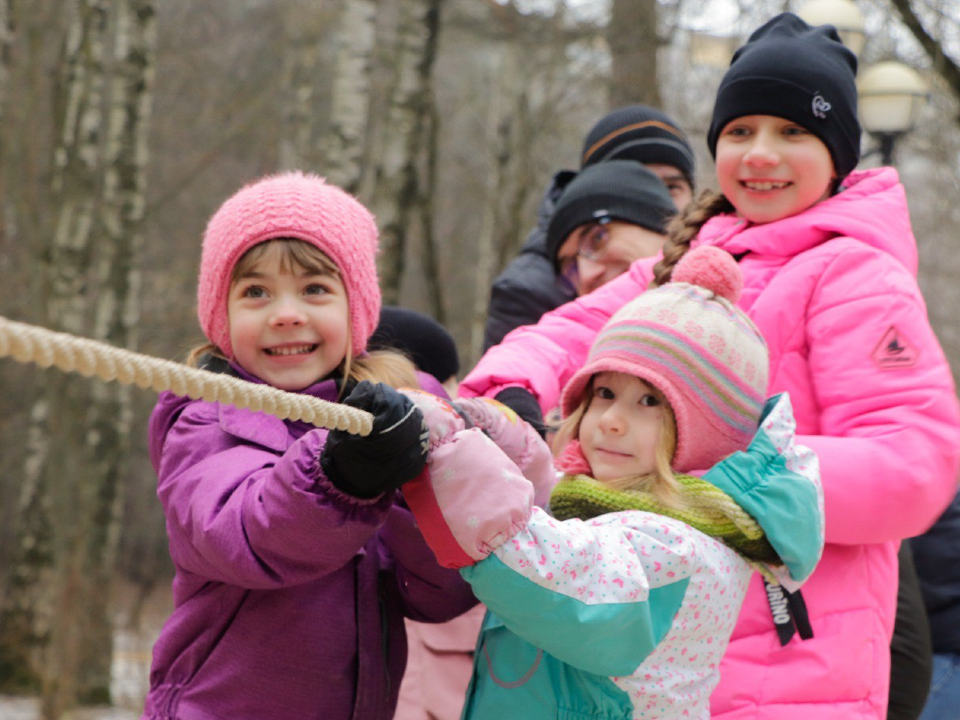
(891, 95)
(844, 15)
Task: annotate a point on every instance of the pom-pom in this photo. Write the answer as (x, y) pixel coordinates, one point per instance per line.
(572, 460)
(710, 268)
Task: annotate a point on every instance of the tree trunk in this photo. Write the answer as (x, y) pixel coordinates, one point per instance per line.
(6, 59)
(301, 56)
(633, 40)
(41, 607)
(116, 321)
(426, 205)
(395, 192)
(343, 145)
(497, 160)
(6, 42)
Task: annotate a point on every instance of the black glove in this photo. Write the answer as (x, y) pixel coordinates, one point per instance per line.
(524, 404)
(394, 452)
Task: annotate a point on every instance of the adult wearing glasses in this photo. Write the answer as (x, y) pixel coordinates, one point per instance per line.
(528, 287)
(610, 215)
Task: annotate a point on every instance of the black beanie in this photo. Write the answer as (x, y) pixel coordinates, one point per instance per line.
(804, 74)
(641, 133)
(425, 341)
(619, 190)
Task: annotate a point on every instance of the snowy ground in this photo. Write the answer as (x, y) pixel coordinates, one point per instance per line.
(17, 708)
(130, 669)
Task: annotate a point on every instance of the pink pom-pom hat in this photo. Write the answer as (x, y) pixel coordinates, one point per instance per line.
(291, 205)
(688, 340)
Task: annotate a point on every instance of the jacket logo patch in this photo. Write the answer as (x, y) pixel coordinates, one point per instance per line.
(895, 351)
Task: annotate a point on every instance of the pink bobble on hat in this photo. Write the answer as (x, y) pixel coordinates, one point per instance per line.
(712, 269)
(688, 340)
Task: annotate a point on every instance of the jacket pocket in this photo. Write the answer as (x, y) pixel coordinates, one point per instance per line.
(512, 662)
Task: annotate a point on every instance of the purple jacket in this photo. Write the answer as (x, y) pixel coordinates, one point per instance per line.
(289, 596)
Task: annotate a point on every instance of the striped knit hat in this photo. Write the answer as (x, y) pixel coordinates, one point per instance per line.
(689, 341)
(291, 205)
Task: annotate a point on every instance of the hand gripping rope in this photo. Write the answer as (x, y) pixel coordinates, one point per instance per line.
(29, 343)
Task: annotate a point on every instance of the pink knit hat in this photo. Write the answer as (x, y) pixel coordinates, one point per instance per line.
(291, 205)
(689, 341)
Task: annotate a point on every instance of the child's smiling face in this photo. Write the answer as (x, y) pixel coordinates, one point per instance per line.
(290, 327)
(620, 430)
(770, 168)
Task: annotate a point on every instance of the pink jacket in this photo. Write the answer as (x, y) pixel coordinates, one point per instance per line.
(833, 290)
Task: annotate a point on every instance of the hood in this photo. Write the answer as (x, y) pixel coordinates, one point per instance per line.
(871, 207)
(537, 240)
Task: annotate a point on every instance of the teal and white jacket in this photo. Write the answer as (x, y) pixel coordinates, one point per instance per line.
(623, 616)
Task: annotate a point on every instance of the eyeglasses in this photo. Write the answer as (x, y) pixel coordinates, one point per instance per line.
(592, 244)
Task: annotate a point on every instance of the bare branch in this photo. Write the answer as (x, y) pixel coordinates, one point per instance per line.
(945, 66)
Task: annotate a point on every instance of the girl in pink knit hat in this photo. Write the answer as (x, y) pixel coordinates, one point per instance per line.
(295, 560)
(620, 602)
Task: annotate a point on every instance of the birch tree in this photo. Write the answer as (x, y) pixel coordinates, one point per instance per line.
(41, 571)
(299, 83)
(58, 489)
(55, 613)
(342, 147)
(633, 41)
(116, 320)
(6, 42)
(497, 160)
(395, 195)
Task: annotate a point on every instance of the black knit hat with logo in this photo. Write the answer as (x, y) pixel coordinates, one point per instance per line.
(804, 74)
(615, 190)
(641, 133)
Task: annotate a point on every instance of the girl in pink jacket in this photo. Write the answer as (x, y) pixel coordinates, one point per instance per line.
(829, 264)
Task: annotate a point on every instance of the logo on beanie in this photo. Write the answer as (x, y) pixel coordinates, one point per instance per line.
(821, 107)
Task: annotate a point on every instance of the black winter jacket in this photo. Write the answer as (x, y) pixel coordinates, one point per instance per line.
(936, 554)
(527, 288)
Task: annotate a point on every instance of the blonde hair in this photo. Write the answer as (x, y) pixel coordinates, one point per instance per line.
(661, 483)
(386, 366)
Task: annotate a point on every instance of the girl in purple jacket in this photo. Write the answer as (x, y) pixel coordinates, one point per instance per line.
(829, 269)
(296, 560)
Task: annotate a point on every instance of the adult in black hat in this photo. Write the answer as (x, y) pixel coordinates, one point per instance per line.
(611, 214)
(528, 287)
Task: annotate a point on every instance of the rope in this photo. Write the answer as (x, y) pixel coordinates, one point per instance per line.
(29, 343)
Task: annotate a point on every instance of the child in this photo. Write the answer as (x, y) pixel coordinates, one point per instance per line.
(622, 604)
(295, 560)
(440, 655)
(829, 264)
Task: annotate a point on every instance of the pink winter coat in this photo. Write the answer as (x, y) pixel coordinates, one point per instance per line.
(833, 290)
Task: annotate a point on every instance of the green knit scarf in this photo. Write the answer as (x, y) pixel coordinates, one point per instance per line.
(701, 505)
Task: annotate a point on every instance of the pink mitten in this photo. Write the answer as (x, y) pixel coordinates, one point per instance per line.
(517, 439)
(472, 497)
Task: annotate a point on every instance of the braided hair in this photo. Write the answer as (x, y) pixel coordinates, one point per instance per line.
(683, 229)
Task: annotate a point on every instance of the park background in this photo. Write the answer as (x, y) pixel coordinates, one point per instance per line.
(125, 123)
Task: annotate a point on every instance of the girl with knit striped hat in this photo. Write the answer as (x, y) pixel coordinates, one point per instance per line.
(295, 561)
(621, 601)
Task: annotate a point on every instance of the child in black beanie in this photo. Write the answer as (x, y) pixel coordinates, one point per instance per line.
(829, 265)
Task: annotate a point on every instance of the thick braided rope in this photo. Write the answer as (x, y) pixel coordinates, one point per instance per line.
(29, 343)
